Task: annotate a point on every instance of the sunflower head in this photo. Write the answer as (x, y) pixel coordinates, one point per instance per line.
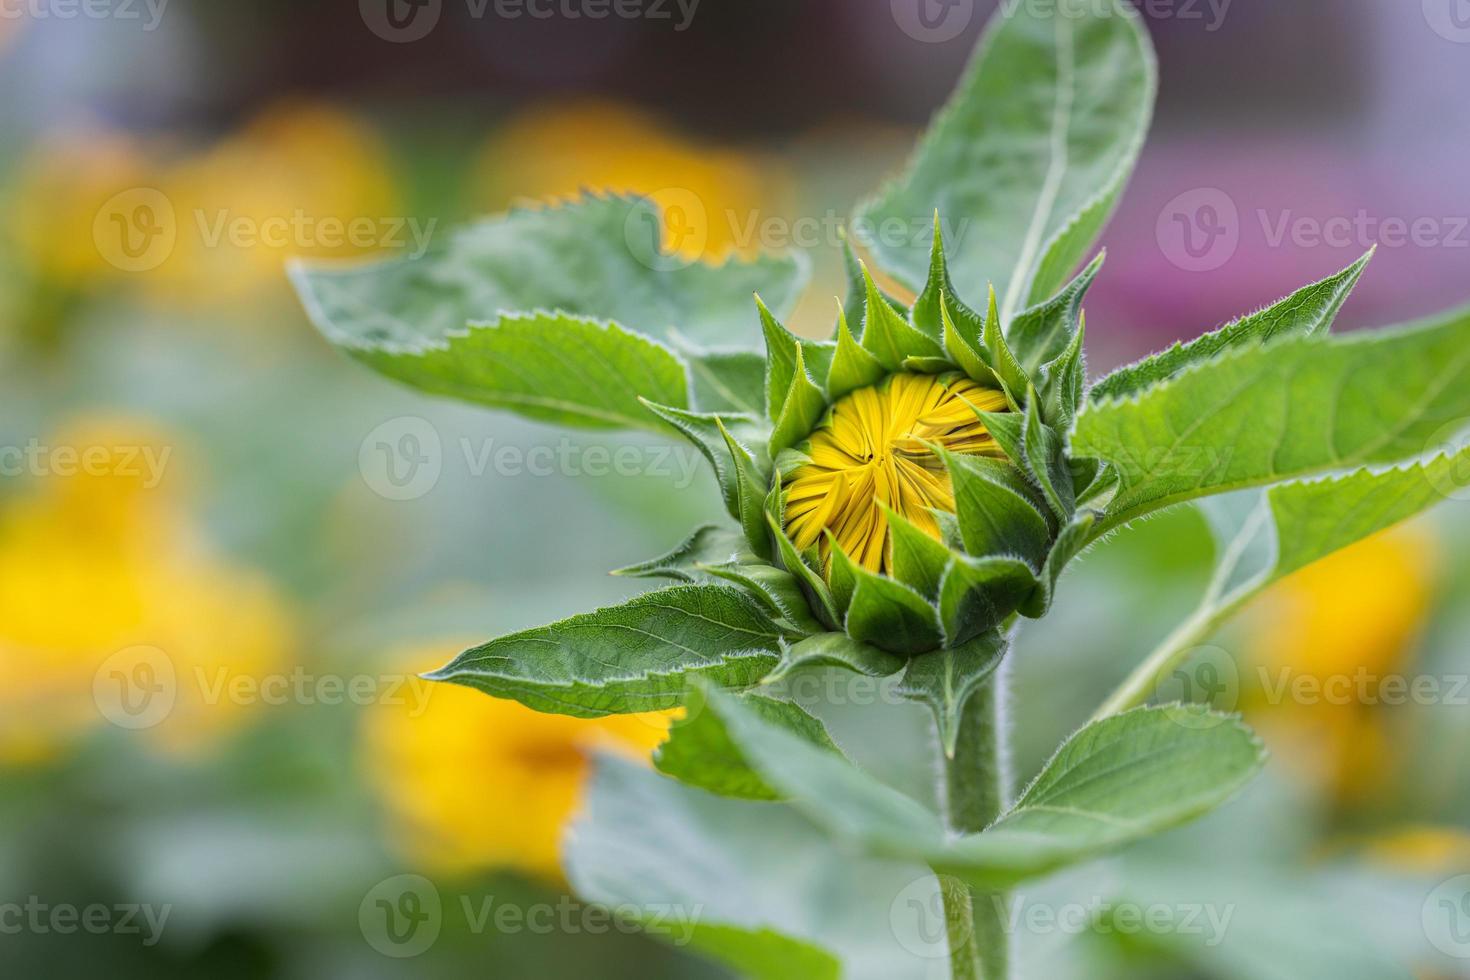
(874, 452)
(908, 478)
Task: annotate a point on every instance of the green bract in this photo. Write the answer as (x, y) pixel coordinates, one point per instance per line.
(573, 315)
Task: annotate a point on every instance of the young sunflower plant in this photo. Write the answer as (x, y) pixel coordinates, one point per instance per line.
(900, 497)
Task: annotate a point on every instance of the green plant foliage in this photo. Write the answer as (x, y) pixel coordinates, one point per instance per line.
(1293, 408)
(579, 290)
(639, 656)
(1032, 151)
(699, 750)
(775, 898)
(1117, 781)
(1307, 311)
(1305, 442)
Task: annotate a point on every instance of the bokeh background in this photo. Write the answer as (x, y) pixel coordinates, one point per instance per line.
(215, 593)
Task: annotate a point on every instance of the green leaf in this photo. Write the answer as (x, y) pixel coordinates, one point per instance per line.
(708, 434)
(1045, 463)
(813, 585)
(929, 365)
(939, 292)
(754, 884)
(801, 409)
(699, 751)
(1295, 524)
(1308, 311)
(1063, 382)
(1070, 542)
(996, 512)
(888, 336)
(1314, 519)
(728, 382)
(828, 789)
(1001, 358)
(751, 487)
(835, 650)
(1005, 428)
(586, 258)
(918, 560)
(852, 366)
(552, 367)
(1116, 781)
(1297, 407)
(979, 594)
(636, 657)
(1042, 333)
(963, 351)
(855, 307)
(782, 350)
(884, 613)
(775, 587)
(707, 545)
(945, 680)
(1032, 151)
(570, 321)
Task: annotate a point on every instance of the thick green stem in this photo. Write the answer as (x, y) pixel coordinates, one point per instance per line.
(975, 794)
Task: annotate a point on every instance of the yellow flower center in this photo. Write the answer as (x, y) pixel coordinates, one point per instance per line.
(872, 448)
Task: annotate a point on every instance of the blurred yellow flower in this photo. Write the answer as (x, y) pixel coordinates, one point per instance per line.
(211, 227)
(98, 558)
(1424, 849)
(59, 187)
(472, 782)
(301, 179)
(714, 200)
(1342, 625)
